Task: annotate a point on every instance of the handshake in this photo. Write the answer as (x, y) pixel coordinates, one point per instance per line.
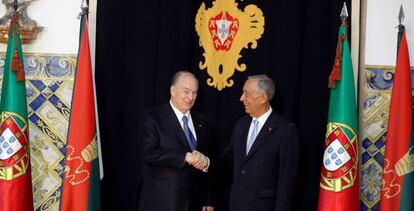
(197, 159)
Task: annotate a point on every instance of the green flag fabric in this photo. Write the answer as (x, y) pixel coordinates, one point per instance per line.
(15, 171)
(339, 185)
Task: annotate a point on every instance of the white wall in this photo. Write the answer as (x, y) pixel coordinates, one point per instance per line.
(61, 26)
(381, 31)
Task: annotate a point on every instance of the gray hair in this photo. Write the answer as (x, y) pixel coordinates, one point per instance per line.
(178, 74)
(265, 84)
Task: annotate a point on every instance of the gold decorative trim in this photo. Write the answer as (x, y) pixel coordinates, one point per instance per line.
(224, 30)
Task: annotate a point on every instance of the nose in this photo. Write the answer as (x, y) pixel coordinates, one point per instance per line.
(242, 97)
(191, 96)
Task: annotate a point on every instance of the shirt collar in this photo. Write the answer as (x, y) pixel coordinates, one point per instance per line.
(262, 119)
(178, 113)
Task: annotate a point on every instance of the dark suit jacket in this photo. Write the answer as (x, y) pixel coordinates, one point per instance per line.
(169, 184)
(264, 180)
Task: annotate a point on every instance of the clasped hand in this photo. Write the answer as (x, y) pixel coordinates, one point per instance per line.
(196, 159)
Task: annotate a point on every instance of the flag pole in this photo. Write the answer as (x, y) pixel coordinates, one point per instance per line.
(401, 28)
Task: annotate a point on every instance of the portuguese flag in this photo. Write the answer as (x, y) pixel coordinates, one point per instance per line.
(15, 177)
(81, 189)
(339, 184)
(398, 178)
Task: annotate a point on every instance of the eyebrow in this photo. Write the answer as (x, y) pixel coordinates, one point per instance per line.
(188, 89)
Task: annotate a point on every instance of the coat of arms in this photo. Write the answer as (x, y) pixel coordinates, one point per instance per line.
(340, 160)
(14, 159)
(224, 30)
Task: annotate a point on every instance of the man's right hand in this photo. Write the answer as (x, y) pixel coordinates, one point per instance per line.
(196, 159)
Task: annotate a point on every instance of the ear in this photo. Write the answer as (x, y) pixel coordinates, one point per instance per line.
(172, 90)
(264, 98)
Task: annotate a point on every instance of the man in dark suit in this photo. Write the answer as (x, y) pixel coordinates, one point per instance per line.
(263, 152)
(174, 144)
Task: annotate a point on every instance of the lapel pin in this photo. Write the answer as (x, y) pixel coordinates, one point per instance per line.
(270, 129)
(199, 125)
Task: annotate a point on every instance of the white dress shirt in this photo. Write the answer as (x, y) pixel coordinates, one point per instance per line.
(262, 120)
(180, 115)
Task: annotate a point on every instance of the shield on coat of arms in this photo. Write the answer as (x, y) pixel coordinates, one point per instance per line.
(340, 161)
(9, 145)
(13, 143)
(335, 156)
(340, 154)
(223, 29)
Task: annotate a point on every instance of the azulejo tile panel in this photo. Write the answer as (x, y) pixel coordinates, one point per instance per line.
(49, 83)
(376, 102)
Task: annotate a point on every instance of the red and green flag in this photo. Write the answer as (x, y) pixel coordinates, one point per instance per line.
(15, 176)
(339, 182)
(81, 184)
(397, 192)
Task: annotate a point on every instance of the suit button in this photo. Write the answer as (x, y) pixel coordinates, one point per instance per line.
(243, 171)
(240, 188)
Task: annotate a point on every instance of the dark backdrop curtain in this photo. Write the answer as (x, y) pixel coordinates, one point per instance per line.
(141, 44)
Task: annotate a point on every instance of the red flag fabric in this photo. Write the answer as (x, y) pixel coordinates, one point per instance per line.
(82, 150)
(399, 130)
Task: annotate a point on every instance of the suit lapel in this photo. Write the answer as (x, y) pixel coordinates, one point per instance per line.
(198, 127)
(243, 136)
(172, 120)
(267, 129)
